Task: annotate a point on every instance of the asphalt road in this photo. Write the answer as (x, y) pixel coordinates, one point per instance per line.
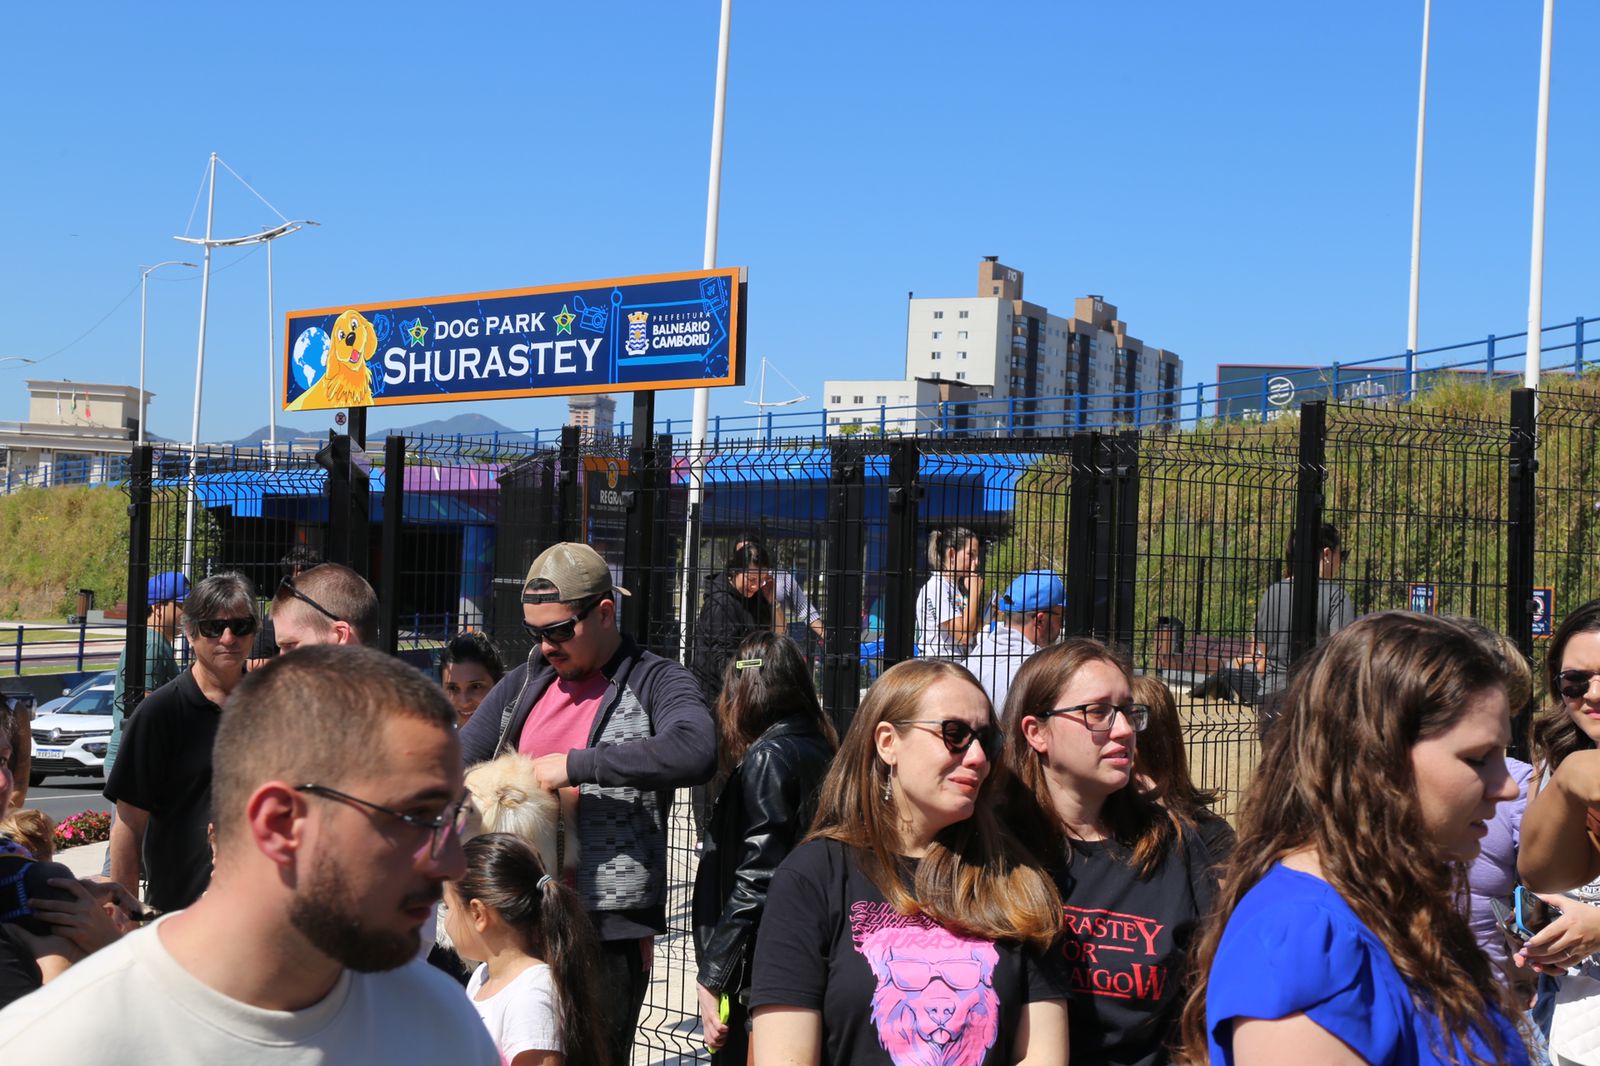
(62, 796)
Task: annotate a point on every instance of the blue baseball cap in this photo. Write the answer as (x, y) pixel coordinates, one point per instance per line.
(1037, 590)
(167, 586)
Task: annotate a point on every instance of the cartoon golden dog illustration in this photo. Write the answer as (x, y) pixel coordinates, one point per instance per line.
(347, 381)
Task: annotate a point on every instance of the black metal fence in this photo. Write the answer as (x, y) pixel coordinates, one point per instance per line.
(1165, 542)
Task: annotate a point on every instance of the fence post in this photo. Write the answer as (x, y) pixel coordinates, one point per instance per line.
(1488, 357)
(1523, 469)
(841, 663)
(335, 460)
(1125, 538)
(1577, 347)
(1304, 565)
(138, 607)
(1082, 504)
(570, 518)
(1411, 374)
(638, 551)
(900, 585)
(394, 487)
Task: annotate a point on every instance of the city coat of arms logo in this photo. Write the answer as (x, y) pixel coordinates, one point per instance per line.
(637, 343)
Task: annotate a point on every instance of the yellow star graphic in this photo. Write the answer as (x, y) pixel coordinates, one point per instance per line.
(418, 332)
(564, 320)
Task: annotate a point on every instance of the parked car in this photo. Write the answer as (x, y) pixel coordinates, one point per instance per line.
(71, 740)
(60, 701)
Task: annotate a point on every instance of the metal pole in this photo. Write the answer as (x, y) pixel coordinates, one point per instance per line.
(702, 397)
(144, 284)
(272, 377)
(199, 379)
(1530, 374)
(1416, 195)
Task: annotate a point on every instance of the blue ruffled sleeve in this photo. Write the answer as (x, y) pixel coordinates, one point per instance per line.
(1286, 951)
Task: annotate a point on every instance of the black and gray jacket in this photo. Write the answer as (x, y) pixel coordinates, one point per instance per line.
(652, 734)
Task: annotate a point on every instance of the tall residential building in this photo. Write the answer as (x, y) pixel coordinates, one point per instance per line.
(1000, 344)
(593, 412)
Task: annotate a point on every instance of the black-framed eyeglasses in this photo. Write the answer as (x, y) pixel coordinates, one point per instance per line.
(211, 628)
(1102, 717)
(1574, 684)
(441, 828)
(958, 735)
(288, 585)
(562, 631)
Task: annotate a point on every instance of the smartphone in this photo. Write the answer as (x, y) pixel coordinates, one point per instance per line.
(1506, 919)
(1532, 913)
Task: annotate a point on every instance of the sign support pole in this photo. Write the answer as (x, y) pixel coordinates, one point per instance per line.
(702, 397)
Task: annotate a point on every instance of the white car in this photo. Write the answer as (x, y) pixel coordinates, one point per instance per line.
(71, 740)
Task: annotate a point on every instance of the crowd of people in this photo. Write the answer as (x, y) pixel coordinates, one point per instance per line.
(323, 855)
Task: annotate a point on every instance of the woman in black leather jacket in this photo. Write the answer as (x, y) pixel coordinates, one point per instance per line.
(775, 744)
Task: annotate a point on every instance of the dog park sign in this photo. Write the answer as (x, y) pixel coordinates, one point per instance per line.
(656, 331)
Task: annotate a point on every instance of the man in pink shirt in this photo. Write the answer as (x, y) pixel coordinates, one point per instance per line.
(623, 725)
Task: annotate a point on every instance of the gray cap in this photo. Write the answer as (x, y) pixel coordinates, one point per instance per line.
(566, 573)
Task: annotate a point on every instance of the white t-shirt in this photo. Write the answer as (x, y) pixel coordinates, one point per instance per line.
(521, 1016)
(939, 602)
(132, 1004)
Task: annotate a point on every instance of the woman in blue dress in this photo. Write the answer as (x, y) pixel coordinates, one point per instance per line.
(1338, 937)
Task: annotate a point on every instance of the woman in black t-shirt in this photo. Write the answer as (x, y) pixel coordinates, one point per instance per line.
(909, 930)
(1135, 878)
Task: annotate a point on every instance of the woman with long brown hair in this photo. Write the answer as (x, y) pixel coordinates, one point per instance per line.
(1161, 768)
(1339, 932)
(910, 929)
(774, 743)
(1134, 876)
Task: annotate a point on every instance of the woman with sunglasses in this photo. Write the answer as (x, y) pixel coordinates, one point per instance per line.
(910, 928)
(1338, 937)
(774, 746)
(1135, 878)
(1557, 851)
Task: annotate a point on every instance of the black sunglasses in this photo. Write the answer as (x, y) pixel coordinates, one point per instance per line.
(562, 631)
(211, 628)
(288, 585)
(439, 828)
(1574, 684)
(1102, 717)
(958, 735)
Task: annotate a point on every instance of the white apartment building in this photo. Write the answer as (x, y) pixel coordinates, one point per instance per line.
(896, 406)
(999, 345)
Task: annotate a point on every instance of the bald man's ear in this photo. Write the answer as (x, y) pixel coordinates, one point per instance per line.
(275, 818)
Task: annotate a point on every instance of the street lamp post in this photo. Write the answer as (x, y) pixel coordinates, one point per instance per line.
(144, 281)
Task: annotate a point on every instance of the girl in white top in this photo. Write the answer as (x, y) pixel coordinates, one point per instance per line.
(950, 605)
(535, 988)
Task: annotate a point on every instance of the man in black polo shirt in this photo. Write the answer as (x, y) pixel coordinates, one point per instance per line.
(161, 782)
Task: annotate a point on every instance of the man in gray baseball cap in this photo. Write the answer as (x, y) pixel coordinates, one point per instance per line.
(624, 727)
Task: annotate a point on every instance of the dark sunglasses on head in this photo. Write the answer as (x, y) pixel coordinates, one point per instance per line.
(1574, 684)
(288, 585)
(559, 632)
(211, 628)
(958, 735)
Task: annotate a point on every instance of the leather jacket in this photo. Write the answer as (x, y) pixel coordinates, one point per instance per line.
(763, 811)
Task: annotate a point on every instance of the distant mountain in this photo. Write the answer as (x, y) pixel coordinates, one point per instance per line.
(472, 425)
(254, 438)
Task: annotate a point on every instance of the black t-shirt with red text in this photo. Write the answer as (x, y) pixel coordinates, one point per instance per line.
(1126, 948)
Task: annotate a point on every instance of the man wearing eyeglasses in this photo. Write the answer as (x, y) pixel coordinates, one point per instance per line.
(623, 725)
(1031, 613)
(161, 782)
(330, 856)
(327, 604)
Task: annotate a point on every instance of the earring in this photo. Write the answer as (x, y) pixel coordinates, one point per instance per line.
(888, 785)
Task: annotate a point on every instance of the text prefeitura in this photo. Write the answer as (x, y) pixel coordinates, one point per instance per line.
(403, 365)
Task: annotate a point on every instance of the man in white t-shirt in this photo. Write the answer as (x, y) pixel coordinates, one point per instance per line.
(1032, 611)
(338, 796)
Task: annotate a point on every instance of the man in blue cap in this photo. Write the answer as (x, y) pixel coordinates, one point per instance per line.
(1032, 611)
(164, 593)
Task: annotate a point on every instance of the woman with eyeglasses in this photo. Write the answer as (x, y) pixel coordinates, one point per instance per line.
(910, 928)
(1338, 937)
(1134, 877)
(735, 603)
(774, 746)
(1557, 851)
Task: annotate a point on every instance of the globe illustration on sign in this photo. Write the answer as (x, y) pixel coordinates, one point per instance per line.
(310, 356)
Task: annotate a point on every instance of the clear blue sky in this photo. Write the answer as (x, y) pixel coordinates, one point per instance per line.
(1235, 177)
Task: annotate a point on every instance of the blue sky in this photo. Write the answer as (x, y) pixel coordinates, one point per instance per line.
(1235, 177)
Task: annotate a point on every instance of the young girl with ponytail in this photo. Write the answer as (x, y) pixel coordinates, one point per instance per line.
(535, 986)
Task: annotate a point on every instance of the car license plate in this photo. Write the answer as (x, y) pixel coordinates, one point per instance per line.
(49, 753)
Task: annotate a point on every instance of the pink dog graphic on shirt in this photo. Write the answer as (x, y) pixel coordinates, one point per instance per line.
(935, 1003)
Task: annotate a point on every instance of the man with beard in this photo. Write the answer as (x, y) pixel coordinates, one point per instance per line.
(623, 725)
(329, 858)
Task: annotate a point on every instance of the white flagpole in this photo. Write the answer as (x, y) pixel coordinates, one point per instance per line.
(199, 380)
(702, 397)
(1416, 195)
(1530, 374)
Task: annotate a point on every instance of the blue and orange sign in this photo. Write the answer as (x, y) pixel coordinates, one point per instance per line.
(657, 331)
